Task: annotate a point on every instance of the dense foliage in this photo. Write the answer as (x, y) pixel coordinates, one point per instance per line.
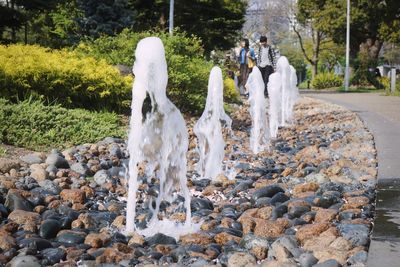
(61, 76)
(33, 125)
(325, 80)
(187, 70)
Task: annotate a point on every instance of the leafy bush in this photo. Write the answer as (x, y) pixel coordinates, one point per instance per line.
(33, 125)
(188, 71)
(325, 80)
(61, 76)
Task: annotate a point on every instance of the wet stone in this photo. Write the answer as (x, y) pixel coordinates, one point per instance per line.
(25, 261)
(14, 201)
(53, 255)
(160, 239)
(357, 234)
(49, 228)
(268, 191)
(35, 243)
(200, 204)
(71, 237)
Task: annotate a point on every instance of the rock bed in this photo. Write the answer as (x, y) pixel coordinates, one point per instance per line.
(308, 201)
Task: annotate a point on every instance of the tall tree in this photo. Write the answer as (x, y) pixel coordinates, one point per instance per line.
(309, 15)
(216, 22)
(107, 17)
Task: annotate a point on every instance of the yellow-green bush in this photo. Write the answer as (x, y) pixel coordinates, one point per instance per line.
(325, 80)
(61, 76)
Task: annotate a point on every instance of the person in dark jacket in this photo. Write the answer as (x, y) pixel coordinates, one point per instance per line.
(247, 59)
(266, 61)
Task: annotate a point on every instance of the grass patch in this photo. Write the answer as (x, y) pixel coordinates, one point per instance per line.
(31, 124)
(3, 151)
(360, 90)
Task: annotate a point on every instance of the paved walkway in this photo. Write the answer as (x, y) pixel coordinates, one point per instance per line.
(382, 117)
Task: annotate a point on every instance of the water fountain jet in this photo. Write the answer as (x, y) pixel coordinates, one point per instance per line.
(208, 129)
(259, 131)
(158, 138)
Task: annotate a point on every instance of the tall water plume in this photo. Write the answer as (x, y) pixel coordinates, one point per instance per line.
(259, 131)
(283, 68)
(275, 103)
(157, 139)
(208, 129)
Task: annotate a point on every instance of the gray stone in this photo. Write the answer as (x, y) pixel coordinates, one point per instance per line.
(53, 255)
(328, 263)
(250, 241)
(33, 158)
(81, 168)
(25, 261)
(307, 260)
(57, 160)
(317, 178)
(289, 244)
(357, 234)
(51, 169)
(50, 187)
(360, 256)
(101, 177)
(115, 151)
(15, 201)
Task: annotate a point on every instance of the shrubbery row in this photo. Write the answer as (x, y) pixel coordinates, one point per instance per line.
(61, 76)
(33, 125)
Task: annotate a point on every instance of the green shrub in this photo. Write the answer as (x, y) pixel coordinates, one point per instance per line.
(188, 71)
(33, 125)
(61, 76)
(325, 80)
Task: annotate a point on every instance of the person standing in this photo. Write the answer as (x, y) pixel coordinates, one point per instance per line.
(247, 59)
(266, 61)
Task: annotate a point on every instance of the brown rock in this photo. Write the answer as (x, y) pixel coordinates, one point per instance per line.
(311, 230)
(325, 215)
(38, 172)
(87, 220)
(250, 213)
(73, 253)
(22, 217)
(73, 195)
(39, 209)
(269, 229)
(223, 238)
(196, 238)
(264, 213)
(242, 259)
(298, 203)
(341, 243)
(119, 222)
(77, 224)
(97, 240)
(136, 239)
(260, 252)
(10, 227)
(307, 187)
(89, 192)
(208, 225)
(122, 248)
(288, 171)
(318, 243)
(111, 255)
(178, 217)
(248, 225)
(164, 249)
(8, 164)
(331, 253)
(6, 241)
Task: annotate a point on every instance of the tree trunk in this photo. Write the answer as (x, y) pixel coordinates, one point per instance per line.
(371, 47)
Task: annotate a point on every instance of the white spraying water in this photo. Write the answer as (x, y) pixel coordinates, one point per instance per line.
(259, 131)
(275, 102)
(283, 68)
(292, 96)
(208, 129)
(160, 139)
